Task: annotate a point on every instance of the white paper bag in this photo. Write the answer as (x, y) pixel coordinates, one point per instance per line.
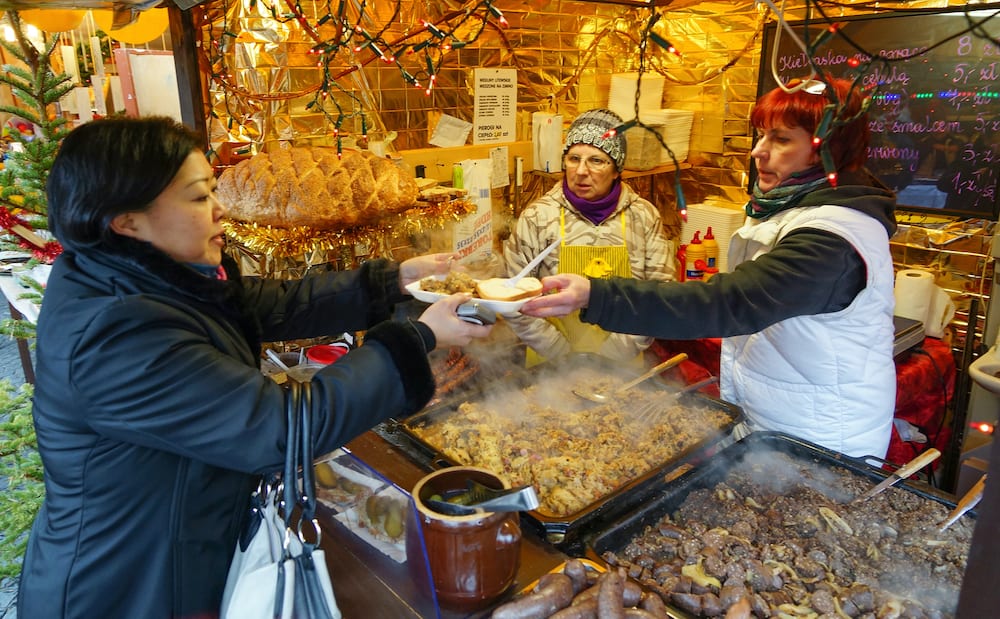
(474, 234)
(546, 141)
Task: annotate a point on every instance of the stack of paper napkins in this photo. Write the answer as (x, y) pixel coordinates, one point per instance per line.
(724, 218)
(675, 127)
(621, 96)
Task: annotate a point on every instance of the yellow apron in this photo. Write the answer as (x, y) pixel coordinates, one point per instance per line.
(590, 261)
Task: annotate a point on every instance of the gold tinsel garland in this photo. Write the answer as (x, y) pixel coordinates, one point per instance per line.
(296, 241)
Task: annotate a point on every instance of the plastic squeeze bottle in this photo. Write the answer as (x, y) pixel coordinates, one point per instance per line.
(694, 258)
(711, 249)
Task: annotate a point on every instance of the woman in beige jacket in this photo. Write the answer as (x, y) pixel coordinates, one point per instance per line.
(606, 229)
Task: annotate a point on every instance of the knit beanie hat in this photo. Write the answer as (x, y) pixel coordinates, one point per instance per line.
(590, 127)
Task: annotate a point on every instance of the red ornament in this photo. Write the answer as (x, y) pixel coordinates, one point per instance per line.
(47, 254)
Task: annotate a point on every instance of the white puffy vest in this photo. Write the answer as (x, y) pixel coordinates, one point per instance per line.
(827, 378)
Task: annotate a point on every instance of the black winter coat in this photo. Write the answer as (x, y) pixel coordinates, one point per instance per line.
(154, 420)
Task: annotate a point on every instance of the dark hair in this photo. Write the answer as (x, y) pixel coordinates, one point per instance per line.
(848, 142)
(108, 167)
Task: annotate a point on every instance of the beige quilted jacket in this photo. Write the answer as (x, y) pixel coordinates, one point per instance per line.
(651, 256)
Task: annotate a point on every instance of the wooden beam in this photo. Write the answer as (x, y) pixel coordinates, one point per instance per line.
(191, 86)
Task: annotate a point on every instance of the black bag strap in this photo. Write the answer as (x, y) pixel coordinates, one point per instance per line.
(290, 476)
(289, 482)
(300, 491)
(310, 599)
(309, 595)
(308, 489)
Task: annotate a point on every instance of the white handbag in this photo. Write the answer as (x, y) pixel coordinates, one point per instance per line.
(275, 573)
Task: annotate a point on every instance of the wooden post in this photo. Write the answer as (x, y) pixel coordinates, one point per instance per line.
(191, 85)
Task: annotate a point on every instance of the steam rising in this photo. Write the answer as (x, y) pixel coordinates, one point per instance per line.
(529, 428)
(894, 535)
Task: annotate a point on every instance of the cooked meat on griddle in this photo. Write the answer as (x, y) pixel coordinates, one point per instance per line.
(573, 454)
(783, 533)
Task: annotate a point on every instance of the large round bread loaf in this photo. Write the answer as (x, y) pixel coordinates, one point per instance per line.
(314, 187)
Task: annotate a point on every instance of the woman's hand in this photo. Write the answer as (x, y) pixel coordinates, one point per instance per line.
(448, 328)
(561, 295)
(420, 267)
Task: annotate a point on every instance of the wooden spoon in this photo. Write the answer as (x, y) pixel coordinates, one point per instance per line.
(600, 398)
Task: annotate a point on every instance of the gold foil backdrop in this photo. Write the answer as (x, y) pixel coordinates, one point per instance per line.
(264, 74)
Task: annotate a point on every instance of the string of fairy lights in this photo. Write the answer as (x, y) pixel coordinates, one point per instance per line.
(835, 113)
(342, 36)
(419, 54)
(345, 39)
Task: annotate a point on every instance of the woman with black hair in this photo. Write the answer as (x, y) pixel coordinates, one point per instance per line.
(153, 419)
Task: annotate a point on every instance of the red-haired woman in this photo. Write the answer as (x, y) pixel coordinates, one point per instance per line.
(806, 314)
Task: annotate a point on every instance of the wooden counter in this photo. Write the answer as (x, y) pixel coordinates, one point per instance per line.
(369, 585)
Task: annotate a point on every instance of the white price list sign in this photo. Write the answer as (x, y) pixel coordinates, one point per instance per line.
(495, 106)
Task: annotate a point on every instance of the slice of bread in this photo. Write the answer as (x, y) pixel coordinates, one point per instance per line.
(496, 289)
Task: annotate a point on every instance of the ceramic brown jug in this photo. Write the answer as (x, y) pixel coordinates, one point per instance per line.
(473, 559)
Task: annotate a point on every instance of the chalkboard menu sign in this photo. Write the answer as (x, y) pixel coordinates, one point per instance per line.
(935, 112)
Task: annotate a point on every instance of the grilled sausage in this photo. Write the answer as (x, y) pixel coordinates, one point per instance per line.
(687, 601)
(610, 598)
(586, 595)
(654, 604)
(577, 573)
(711, 605)
(554, 579)
(584, 610)
(554, 592)
(632, 594)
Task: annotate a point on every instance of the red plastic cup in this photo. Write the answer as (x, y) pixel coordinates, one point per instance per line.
(326, 353)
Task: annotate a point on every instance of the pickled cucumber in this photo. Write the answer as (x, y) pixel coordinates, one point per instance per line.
(325, 476)
(394, 520)
(349, 486)
(371, 508)
(385, 503)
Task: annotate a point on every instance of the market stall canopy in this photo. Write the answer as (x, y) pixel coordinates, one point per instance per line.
(23, 5)
(673, 4)
(128, 21)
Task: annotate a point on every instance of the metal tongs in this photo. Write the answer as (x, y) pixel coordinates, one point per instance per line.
(969, 500)
(480, 499)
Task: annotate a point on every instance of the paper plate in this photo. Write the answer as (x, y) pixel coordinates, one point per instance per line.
(504, 308)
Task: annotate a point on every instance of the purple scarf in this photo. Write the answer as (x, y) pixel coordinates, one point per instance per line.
(595, 210)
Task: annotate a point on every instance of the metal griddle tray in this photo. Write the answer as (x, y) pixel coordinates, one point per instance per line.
(564, 530)
(615, 536)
